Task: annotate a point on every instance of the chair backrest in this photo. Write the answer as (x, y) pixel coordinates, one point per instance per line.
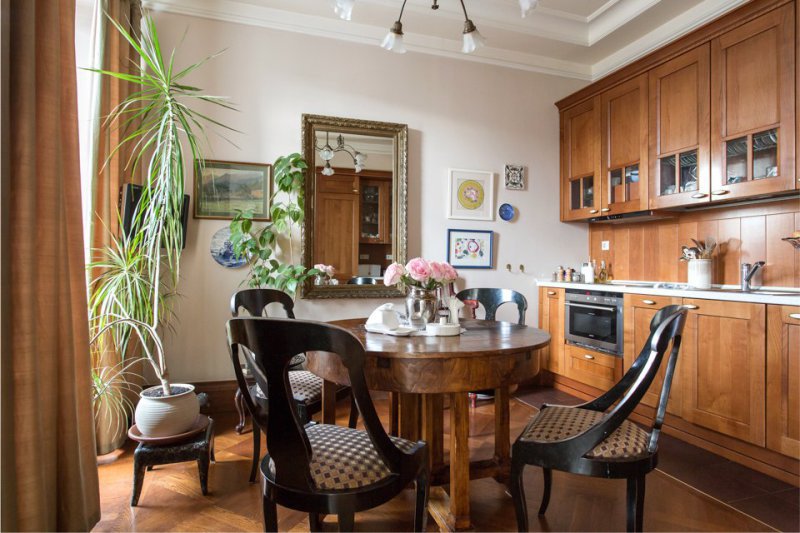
(666, 328)
(255, 301)
(269, 344)
(491, 299)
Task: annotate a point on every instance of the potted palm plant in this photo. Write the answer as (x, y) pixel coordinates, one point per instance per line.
(138, 273)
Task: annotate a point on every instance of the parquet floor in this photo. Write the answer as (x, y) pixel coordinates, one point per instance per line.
(171, 498)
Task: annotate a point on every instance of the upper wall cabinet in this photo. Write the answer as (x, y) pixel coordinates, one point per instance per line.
(753, 115)
(679, 133)
(580, 161)
(624, 147)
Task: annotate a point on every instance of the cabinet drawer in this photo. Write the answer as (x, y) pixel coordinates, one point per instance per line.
(337, 184)
(647, 301)
(592, 368)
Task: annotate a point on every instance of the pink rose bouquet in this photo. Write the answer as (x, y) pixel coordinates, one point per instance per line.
(420, 273)
(325, 270)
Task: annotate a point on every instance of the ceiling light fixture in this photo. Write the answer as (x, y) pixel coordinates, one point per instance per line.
(471, 38)
(327, 152)
(526, 6)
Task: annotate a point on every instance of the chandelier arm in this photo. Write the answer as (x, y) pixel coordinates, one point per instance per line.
(464, 8)
(403, 8)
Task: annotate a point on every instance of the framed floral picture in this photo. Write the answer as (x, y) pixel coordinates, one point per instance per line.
(223, 187)
(468, 248)
(470, 194)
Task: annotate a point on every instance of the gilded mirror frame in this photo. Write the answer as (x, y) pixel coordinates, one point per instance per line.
(399, 134)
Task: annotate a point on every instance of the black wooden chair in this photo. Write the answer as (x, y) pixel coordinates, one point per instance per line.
(585, 439)
(306, 386)
(491, 299)
(322, 468)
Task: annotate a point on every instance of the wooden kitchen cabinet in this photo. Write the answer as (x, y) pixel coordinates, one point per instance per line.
(783, 379)
(551, 319)
(680, 161)
(724, 356)
(639, 310)
(336, 202)
(752, 113)
(593, 368)
(580, 161)
(376, 210)
(624, 147)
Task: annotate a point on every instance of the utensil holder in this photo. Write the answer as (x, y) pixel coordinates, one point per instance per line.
(699, 273)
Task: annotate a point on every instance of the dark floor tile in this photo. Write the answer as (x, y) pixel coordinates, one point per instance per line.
(771, 510)
(757, 479)
(791, 496)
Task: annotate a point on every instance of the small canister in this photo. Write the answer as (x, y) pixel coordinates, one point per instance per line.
(560, 273)
(569, 273)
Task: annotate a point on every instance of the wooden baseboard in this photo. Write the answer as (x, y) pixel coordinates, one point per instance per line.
(779, 466)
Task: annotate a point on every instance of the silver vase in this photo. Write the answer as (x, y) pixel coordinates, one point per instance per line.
(420, 306)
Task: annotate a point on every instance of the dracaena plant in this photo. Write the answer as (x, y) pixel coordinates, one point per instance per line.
(270, 265)
(138, 274)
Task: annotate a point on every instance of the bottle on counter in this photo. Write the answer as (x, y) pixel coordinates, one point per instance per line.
(560, 273)
(588, 272)
(602, 276)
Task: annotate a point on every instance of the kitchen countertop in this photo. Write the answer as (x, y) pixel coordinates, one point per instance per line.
(640, 287)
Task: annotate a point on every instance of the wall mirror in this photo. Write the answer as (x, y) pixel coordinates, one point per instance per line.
(356, 203)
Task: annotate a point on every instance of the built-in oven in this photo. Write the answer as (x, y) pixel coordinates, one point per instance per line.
(593, 319)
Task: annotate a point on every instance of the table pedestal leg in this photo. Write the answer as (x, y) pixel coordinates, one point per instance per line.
(452, 514)
(502, 430)
(433, 428)
(328, 402)
(410, 416)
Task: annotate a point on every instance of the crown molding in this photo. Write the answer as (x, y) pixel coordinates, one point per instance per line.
(253, 15)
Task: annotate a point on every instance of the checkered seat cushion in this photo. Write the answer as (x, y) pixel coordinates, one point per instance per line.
(344, 458)
(306, 386)
(629, 441)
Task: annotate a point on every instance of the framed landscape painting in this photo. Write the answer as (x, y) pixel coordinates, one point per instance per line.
(223, 187)
(470, 194)
(470, 248)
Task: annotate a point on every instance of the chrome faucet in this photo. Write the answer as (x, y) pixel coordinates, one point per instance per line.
(748, 271)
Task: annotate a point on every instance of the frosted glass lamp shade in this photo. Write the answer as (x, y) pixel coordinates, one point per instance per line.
(326, 154)
(327, 170)
(344, 8)
(360, 159)
(394, 39)
(526, 6)
(472, 41)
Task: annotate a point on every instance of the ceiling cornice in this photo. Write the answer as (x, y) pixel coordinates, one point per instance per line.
(546, 23)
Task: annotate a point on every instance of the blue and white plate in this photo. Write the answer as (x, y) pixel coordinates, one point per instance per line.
(506, 212)
(222, 249)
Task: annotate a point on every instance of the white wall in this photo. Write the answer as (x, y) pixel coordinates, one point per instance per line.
(460, 114)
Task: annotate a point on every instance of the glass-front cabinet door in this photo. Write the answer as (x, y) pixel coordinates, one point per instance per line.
(376, 211)
(679, 136)
(624, 147)
(580, 161)
(752, 114)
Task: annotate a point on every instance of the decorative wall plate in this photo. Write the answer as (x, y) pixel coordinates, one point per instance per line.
(506, 212)
(222, 249)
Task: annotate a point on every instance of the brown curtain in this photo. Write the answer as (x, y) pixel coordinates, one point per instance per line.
(49, 474)
(110, 168)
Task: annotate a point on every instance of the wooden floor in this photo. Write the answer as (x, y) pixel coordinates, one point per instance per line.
(171, 498)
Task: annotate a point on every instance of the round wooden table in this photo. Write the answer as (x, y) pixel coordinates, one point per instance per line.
(422, 370)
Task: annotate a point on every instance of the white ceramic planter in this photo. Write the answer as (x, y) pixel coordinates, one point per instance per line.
(163, 416)
(699, 273)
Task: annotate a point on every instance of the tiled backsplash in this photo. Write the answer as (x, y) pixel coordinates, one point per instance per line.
(650, 250)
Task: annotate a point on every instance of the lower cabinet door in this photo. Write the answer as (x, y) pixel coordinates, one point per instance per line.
(592, 368)
(724, 353)
(639, 311)
(551, 319)
(783, 379)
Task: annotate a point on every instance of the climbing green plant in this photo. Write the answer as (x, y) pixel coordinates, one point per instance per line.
(270, 265)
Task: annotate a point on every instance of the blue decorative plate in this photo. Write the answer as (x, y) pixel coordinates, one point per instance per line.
(506, 212)
(222, 249)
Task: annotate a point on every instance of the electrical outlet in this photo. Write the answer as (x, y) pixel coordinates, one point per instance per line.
(389, 257)
(605, 246)
(363, 256)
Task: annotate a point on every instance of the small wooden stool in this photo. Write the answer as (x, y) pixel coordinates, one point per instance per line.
(199, 447)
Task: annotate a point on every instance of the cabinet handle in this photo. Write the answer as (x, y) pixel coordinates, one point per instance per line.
(720, 192)
(690, 306)
(551, 293)
(699, 195)
(587, 356)
(649, 302)
(796, 316)
(605, 210)
(593, 211)
(355, 190)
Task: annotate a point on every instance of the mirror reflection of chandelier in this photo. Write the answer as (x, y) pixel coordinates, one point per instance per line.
(327, 152)
(471, 37)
